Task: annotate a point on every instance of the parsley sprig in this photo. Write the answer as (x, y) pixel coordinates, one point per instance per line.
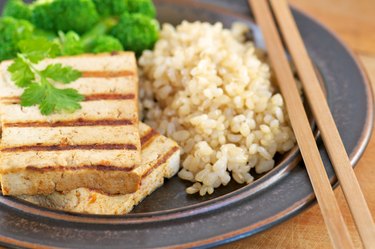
(41, 85)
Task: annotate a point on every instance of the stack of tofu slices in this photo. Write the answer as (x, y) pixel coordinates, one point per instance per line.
(97, 160)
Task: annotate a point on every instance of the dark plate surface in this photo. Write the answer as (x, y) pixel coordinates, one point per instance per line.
(170, 218)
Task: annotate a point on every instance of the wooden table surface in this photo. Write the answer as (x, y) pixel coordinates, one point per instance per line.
(354, 22)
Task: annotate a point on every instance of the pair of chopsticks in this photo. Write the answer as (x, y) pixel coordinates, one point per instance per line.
(332, 215)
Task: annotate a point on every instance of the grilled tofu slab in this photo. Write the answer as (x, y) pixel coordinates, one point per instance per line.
(160, 159)
(96, 147)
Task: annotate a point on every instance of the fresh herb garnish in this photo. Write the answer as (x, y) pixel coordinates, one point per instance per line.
(41, 86)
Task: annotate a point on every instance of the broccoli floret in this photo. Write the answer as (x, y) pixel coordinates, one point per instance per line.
(17, 9)
(145, 7)
(111, 7)
(42, 17)
(12, 31)
(94, 41)
(65, 15)
(136, 32)
(106, 43)
(117, 7)
(70, 43)
(77, 15)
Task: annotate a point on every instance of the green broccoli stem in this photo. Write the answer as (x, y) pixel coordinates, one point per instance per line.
(102, 28)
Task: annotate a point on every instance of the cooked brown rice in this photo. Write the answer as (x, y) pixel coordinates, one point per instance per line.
(205, 87)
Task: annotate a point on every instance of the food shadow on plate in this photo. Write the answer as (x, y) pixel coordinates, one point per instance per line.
(172, 194)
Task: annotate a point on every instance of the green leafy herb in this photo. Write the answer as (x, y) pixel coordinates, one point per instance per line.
(38, 48)
(22, 75)
(59, 73)
(41, 86)
(54, 99)
(33, 95)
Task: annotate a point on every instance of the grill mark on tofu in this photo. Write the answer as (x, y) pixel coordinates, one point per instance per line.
(86, 167)
(107, 74)
(114, 96)
(147, 138)
(71, 147)
(155, 165)
(161, 160)
(90, 97)
(73, 123)
(10, 100)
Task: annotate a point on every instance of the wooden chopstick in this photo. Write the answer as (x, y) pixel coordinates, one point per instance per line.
(323, 117)
(333, 218)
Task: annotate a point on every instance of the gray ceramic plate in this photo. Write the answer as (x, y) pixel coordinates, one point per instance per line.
(170, 218)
